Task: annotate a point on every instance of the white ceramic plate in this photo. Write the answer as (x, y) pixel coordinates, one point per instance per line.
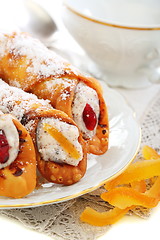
(124, 142)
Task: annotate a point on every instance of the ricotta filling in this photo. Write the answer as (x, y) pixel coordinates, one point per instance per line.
(50, 149)
(7, 126)
(85, 95)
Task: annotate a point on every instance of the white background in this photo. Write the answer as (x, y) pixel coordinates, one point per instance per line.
(130, 227)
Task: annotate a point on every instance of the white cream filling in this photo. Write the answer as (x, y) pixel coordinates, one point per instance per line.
(50, 149)
(84, 95)
(11, 133)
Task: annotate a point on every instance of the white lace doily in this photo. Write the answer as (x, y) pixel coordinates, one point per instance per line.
(60, 220)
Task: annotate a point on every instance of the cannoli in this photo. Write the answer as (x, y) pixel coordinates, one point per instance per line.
(60, 148)
(28, 64)
(17, 159)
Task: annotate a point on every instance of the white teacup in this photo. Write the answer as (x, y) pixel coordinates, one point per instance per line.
(122, 37)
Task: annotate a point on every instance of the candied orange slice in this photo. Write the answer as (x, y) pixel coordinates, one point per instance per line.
(149, 153)
(95, 218)
(136, 172)
(124, 197)
(139, 186)
(62, 140)
(154, 191)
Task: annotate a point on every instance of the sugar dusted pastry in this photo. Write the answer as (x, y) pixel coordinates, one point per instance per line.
(17, 159)
(28, 64)
(60, 149)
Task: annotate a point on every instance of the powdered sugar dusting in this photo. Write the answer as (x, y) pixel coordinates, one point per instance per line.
(66, 82)
(65, 95)
(30, 125)
(16, 84)
(41, 61)
(3, 42)
(17, 102)
(61, 84)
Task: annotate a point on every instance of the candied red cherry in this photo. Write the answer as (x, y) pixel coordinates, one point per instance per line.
(4, 148)
(89, 117)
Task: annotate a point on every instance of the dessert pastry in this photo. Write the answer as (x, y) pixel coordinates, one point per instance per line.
(28, 64)
(17, 159)
(60, 149)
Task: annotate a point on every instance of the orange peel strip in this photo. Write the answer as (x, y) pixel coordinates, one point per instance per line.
(154, 191)
(148, 199)
(136, 172)
(95, 218)
(123, 197)
(139, 186)
(62, 140)
(149, 153)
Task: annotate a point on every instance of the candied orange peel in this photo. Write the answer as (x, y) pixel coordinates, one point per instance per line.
(140, 186)
(62, 140)
(95, 218)
(126, 197)
(136, 172)
(149, 153)
(123, 197)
